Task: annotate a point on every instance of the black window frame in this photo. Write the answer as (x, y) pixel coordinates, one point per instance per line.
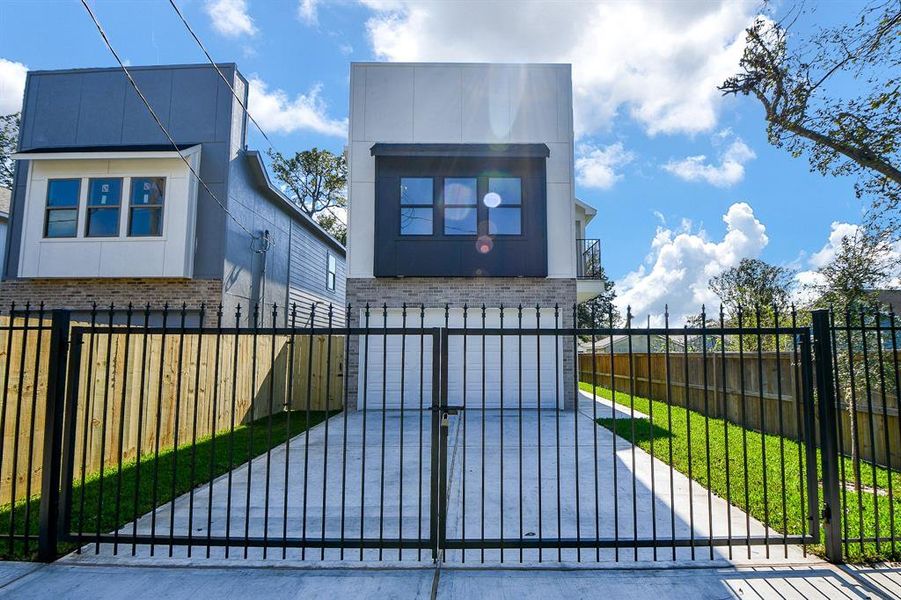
(50, 209)
(159, 207)
(90, 210)
(331, 275)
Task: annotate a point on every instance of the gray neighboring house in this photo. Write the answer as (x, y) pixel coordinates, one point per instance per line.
(104, 209)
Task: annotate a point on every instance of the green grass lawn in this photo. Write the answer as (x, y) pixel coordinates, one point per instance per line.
(209, 459)
(762, 502)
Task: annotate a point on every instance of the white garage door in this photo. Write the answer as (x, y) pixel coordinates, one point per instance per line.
(399, 368)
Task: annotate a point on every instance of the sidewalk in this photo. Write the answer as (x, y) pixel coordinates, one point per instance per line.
(819, 580)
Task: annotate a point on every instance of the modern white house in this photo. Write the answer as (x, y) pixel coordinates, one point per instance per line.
(461, 192)
(104, 209)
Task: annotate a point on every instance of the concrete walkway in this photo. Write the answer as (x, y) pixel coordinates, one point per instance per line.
(367, 475)
(113, 582)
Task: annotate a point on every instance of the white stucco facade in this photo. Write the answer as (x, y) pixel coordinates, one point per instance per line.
(170, 255)
(460, 104)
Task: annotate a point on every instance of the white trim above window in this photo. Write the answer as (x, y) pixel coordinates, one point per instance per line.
(107, 154)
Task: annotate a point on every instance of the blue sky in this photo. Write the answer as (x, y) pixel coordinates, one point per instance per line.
(646, 108)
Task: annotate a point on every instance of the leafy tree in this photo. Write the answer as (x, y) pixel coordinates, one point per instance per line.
(316, 180)
(753, 283)
(9, 138)
(810, 108)
(597, 313)
(862, 264)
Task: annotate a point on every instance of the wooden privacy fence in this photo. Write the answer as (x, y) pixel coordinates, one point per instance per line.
(134, 386)
(735, 387)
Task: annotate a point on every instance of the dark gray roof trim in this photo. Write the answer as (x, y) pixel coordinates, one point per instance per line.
(128, 148)
(470, 150)
(265, 185)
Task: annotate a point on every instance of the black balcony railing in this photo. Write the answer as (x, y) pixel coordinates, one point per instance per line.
(588, 259)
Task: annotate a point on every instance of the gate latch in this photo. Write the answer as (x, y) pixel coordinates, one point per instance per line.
(827, 513)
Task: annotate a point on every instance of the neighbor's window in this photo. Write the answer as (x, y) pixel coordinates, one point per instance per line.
(104, 199)
(504, 202)
(145, 207)
(61, 220)
(460, 206)
(331, 273)
(416, 199)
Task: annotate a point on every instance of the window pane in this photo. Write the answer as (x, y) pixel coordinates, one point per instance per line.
(460, 221)
(63, 192)
(103, 222)
(460, 190)
(332, 264)
(505, 221)
(61, 222)
(146, 221)
(147, 191)
(105, 192)
(416, 190)
(416, 221)
(508, 188)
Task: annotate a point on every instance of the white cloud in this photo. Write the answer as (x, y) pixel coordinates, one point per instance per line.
(230, 17)
(307, 10)
(667, 82)
(728, 172)
(276, 111)
(12, 86)
(681, 263)
(597, 167)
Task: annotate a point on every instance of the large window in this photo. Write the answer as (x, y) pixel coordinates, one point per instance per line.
(331, 272)
(145, 207)
(416, 201)
(461, 206)
(504, 203)
(61, 220)
(104, 199)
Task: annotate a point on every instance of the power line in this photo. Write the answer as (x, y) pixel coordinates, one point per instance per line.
(231, 88)
(158, 121)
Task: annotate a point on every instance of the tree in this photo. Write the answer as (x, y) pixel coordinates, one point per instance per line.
(597, 312)
(316, 180)
(862, 264)
(803, 87)
(752, 284)
(9, 138)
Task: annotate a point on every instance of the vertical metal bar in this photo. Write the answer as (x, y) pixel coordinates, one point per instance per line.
(421, 424)
(894, 334)
(17, 429)
(89, 401)
(781, 433)
(328, 400)
(707, 428)
(744, 428)
(214, 419)
(363, 437)
(557, 409)
(269, 411)
(871, 426)
(688, 412)
(855, 429)
(251, 425)
(765, 463)
(288, 408)
(6, 386)
(103, 429)
(576, 425)
(613, 460)
(810, 441)
(653, 461)
(434, 500)
(726, 428)
(231, 434)
(828, 450)
(482, 545)
(465, 452)
(158, 426)
(198, 358)
(31, 428)
(177, 426)
(124, 375)
(519, 424)
(632, 432)
(306, 437)
(53, 437)
(669, 427)
(883, 391)
(136, 499)
(70, 426)
(538, 419)
(400, 459)
(442, 451)
(846, 538)
(345, 410)
(382, 439)
(501, 477)
(801, 430)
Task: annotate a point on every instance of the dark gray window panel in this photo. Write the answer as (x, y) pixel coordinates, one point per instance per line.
(446, 254)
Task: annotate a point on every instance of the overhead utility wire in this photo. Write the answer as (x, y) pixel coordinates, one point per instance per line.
(158, 121)
(212, 62)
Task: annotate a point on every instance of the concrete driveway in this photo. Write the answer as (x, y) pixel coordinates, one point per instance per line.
(346, 476)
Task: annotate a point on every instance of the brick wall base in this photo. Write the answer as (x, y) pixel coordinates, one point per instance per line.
(81, 294)
(436, 292)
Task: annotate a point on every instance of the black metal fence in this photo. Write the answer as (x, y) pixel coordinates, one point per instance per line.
(465, 434)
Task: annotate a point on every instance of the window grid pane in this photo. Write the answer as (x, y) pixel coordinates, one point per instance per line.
(505, 220)
(415, 221)
(416, 191)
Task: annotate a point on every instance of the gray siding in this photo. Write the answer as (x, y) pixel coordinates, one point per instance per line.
(308, 265)
(98, 107)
